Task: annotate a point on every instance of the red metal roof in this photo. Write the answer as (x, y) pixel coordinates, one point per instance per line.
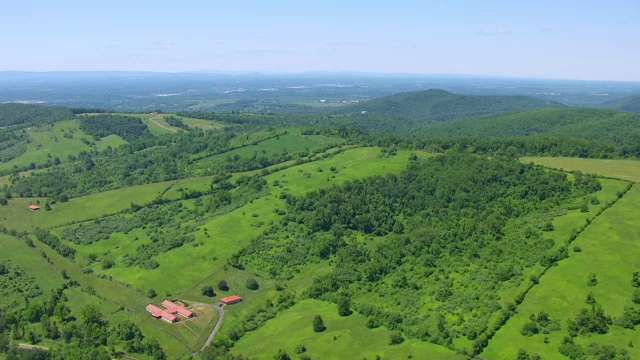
(174, 308)
(156, 312)
(34, 207)
(231, 299)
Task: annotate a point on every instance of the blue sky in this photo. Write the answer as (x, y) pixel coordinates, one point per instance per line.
(585, 39)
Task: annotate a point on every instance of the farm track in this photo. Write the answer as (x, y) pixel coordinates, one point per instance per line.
(215, 329)
(162, 126)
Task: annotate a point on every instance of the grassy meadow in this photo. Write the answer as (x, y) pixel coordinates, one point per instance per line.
(292, 142)
(60, 140)
(610, 239)
(344, 337)
(201, 124)
(158, 125)
(620, 169)
(77, 209)
(16, 252)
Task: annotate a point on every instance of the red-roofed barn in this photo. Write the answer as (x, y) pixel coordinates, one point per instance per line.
(231, 299)
(34, 207)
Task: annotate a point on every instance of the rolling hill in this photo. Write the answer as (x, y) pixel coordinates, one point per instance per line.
(629, 103)
(418, 108)
(621, 128)
(27, 114)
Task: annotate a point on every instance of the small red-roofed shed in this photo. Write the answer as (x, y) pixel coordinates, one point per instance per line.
(34, 207)
(231, 299)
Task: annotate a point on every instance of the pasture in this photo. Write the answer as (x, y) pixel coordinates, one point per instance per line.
(60, 140)
(611, 239)
(16, 252)
(201, 124)
(17, 216)
(344, 337)
(620, 169)
(292, 142)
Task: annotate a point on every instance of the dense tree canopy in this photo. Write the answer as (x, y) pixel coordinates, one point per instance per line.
(101, 125)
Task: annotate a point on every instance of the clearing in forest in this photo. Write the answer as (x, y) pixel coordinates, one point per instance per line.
(620, 169)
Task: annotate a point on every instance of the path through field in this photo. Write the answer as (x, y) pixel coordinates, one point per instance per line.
(162, 126)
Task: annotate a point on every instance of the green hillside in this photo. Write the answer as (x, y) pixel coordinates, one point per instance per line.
(410, 111)
(27, 114)
(620, 128)
(629, 103)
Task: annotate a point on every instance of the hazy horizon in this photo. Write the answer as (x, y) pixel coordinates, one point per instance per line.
(318, 73)
(567, 40)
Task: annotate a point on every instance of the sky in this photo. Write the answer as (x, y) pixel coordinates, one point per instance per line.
(560, 39)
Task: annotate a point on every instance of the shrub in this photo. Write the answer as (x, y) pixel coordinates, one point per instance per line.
(396, 338)
(300, 348)
(252, 284)
(207, 290)
(529, 329)
(151, 293)
(222, 285)
(282, 355)
(318, 324)
(344, 306)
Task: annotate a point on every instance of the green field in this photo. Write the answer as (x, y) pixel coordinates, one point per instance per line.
(30, 260)
(18, 217)
(78, 209)
(607, 248)
(620, 169)
(285, 143)
(153, 126)
(49, 142)
(344, 338)
(201, 124)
